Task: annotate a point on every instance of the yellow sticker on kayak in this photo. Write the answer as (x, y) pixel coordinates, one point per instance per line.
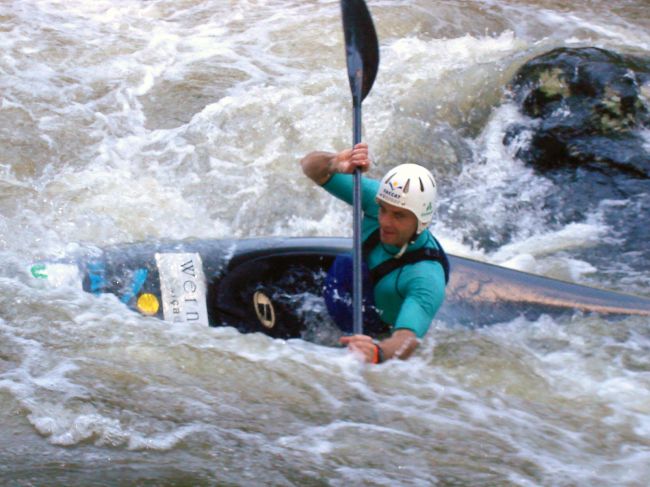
(148, 304)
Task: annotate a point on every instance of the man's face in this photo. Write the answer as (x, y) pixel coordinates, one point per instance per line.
(396, 225)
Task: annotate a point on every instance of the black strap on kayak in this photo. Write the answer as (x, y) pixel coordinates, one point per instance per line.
(388, 266)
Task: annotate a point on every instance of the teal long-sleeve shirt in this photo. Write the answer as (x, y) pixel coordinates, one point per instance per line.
(410, 296)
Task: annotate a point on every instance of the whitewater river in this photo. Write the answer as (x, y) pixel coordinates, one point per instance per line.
(124, 121)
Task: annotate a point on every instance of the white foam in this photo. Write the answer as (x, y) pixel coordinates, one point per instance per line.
(427, 59)
(572, 236)
(615, 30)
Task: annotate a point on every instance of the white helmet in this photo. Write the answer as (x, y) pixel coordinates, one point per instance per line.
(413, 187)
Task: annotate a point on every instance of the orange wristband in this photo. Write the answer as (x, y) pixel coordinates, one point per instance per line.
(378, 356)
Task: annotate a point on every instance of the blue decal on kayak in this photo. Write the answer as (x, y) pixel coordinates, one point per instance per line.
(97, 276)
(139, 278)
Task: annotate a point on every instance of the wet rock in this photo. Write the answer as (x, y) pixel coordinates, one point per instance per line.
(587, 108)
(586, 128)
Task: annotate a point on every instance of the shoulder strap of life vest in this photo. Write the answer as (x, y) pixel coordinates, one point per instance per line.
(388, 266)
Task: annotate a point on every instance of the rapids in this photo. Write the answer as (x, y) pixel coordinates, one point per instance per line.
(132, 120)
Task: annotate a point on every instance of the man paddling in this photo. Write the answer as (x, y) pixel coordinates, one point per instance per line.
(410, 285)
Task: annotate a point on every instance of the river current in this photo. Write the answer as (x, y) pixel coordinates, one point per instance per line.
(125, 121)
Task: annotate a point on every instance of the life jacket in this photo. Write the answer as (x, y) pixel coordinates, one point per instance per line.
(338, 283)
(388, 266)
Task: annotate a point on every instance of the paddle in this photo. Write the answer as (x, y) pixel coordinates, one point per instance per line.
(362, 57)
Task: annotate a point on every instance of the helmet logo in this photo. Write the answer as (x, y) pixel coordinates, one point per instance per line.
(393, 185)
(264, 309)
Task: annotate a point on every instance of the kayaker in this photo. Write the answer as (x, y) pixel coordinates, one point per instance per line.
(397, 211)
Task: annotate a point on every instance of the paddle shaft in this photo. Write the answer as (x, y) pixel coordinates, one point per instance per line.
(362, 59)
(357, 276)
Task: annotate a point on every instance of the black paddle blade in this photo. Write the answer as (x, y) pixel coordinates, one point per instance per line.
(361, 47)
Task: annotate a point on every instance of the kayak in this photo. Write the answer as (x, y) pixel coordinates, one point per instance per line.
(266, 284)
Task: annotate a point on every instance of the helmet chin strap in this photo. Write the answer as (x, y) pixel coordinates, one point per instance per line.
(401, 251)
(406, 244)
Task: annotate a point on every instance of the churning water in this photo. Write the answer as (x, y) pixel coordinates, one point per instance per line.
(131, 120)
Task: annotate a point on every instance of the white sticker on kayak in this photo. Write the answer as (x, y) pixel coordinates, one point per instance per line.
(57, 275)
(182, 288)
